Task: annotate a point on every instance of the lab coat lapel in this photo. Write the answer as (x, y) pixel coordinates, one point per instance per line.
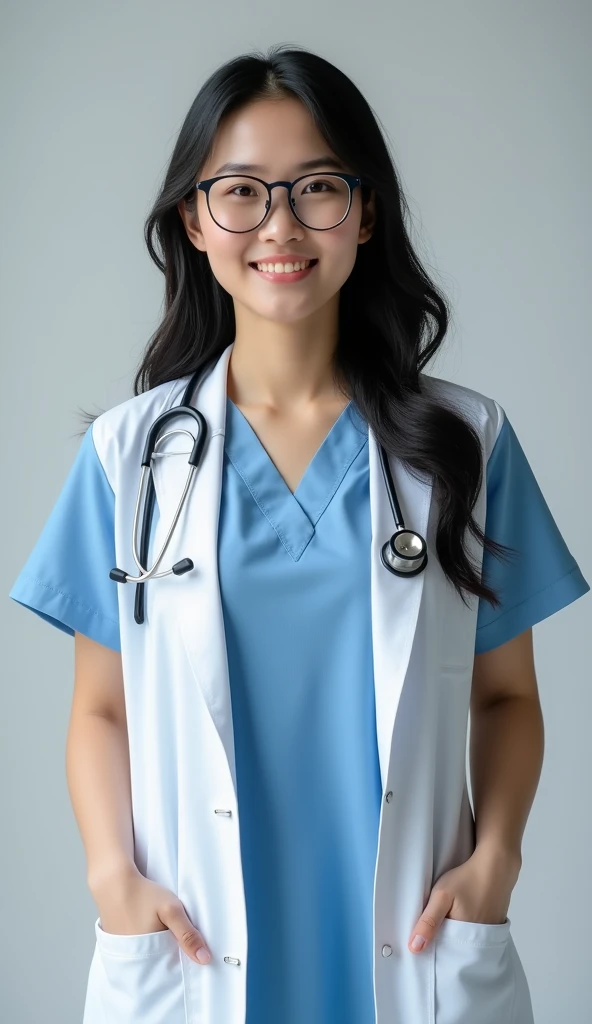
(194, 603)
(195, 599)
(395, 600)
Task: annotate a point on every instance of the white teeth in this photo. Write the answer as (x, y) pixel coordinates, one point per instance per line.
(282, 268)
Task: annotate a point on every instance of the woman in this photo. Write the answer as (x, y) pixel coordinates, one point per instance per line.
(271, 745)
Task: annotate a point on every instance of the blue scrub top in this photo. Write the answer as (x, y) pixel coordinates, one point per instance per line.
(294, 572)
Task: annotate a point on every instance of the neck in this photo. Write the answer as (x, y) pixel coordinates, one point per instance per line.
(282, 369)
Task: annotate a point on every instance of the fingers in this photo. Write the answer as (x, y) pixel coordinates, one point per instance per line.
(434, 913)
(189, 938)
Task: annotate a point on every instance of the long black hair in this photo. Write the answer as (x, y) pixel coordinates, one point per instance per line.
(392, 318)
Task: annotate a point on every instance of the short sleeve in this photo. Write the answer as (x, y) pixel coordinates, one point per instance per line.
(65, 579)
(543, 576)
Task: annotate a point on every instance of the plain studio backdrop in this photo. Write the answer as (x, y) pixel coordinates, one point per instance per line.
(485, 107)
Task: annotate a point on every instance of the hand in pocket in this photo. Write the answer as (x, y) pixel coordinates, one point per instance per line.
(475, 892)
(130, 904)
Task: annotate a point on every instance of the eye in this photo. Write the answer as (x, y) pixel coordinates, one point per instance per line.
(325, 183)
(233, 191)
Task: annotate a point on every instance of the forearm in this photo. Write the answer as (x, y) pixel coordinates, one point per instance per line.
(97, 770)
(506, 756)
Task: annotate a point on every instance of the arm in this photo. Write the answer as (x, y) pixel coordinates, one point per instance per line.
(97, 761)
(506, 753)
(506, 745)
(99, 782)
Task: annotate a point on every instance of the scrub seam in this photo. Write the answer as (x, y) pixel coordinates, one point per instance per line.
(529, 598)
(343, 467)
(277, 529)
(349, 461)
(74, 600)
(316, 514)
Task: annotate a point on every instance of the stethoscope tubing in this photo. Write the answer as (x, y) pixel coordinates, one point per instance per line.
(152, 440)
(405, 554)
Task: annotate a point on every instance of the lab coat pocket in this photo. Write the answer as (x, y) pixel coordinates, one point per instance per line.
(474, 973)
(142, 977)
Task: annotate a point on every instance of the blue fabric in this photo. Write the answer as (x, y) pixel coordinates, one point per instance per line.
(65, 579)
(295, 583)
(294, 575)
(543, 576)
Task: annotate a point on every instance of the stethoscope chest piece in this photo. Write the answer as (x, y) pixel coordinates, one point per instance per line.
(405, 554)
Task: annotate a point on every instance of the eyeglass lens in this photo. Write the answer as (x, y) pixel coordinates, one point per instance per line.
(238, 203)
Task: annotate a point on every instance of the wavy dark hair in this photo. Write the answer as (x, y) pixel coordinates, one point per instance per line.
(388, 300)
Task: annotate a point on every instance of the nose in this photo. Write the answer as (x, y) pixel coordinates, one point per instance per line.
(280, 204)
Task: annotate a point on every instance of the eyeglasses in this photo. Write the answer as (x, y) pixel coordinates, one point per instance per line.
(319, 201)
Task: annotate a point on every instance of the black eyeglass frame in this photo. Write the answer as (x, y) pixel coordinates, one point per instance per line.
(351, 180)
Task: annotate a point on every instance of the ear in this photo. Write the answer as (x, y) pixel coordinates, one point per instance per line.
(368, 218)
(188, 214)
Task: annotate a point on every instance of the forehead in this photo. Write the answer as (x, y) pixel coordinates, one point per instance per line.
(270, 138)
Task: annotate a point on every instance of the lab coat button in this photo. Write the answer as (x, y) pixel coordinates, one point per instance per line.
(231, 960)
(220, 810)
(389, 796)
(386, 950)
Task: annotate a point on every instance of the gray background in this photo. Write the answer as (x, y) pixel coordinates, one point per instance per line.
(485, 106)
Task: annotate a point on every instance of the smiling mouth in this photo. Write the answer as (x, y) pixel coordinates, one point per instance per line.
(311, 263)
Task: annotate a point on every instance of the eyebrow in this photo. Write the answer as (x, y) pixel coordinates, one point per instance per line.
(308, 165)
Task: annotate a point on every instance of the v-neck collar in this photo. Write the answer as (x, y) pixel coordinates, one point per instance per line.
(294, 515)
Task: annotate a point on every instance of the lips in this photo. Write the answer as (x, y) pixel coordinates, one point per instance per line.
(300, 259)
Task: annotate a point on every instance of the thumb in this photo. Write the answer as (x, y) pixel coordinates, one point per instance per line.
(434, 913)
(188, 937)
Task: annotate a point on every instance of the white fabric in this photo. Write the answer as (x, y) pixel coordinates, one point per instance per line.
(182, 760)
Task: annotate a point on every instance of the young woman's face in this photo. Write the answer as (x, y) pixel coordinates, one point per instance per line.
(277, 136)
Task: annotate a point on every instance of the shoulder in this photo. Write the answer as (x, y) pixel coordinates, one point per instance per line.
(119, 433)
(483, 411)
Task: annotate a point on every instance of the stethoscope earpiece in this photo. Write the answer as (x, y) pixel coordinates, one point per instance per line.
(180, 568)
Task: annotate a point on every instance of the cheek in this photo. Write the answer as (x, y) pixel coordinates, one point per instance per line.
(336, 250)
(227, 259)
(341, 244)
(338, 258)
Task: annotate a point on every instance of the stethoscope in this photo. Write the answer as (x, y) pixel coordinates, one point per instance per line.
(405, 554)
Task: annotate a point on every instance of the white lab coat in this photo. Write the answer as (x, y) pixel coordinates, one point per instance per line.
(184, 791)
